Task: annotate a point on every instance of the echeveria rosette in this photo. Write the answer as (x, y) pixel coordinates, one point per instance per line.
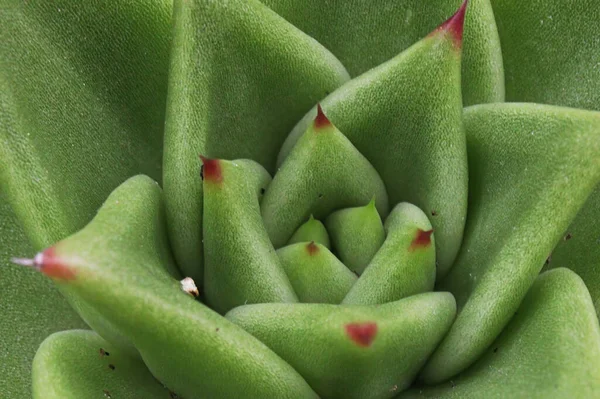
(82, 107)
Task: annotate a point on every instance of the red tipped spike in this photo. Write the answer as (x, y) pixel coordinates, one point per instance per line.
(211, 169)
(455, 23)
(422, 239)
(48, 263)
(321, 120)
(312, 248)
(362, 334)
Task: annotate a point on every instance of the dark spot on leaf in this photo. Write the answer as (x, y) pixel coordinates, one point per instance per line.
(422, 239)
(217, 329)
(568, 237)
(320, 195)
(262, 191)
(103, 352)
(362, 334)
(548, 260)
(312, 248)
(495, 350)
(106, 393)
(111, 366)
(434, 213)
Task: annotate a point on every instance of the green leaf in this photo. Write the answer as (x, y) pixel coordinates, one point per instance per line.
(31, 308)
(550, 51)
(83, 91)
(118, 265)
(579, 250)
(531, 168)
(82, 97)
(357, 234)
(241, 77)
(80, 364)
(365, 34)
(241, 265)
(353, 352)
(550, 349)
(311, 230)
(315, 273)
(405, 117)
(405, 263)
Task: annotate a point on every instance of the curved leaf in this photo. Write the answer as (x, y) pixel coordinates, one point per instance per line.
(80, 364)
(551, 51)
(241, 77)
(118, 265)
(550, 349)
(531, 168)
(353, 352)
(364, 34)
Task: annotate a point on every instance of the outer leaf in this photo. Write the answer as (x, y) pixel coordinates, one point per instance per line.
(366, 33)
(550, 349)
(579, 250)
(82, 97)
(30, 309)
(353, 352)
(551, 51)
(118, 265)
(405, 117)
(241, 77)
(531, 167)
(80, 364)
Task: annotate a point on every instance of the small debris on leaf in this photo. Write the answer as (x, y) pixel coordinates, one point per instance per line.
(189, 286)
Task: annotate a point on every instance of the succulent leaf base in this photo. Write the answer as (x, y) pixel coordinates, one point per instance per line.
(350, 200)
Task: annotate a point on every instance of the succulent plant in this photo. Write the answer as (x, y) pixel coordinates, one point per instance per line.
(351, 199)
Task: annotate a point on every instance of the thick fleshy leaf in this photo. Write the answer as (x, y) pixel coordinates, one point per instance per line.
(349, 352)
(82, 98)
(80, 364)
(404, 265)
(357, 234)
(315, 273)
(241, 265)
(531, 167)
(551, 51)
(364, 34)
(405, 117)
(550, 349)
(118, 264)
(323, 173)
(312, 230)
(579, 250)
(241, 77)
(83, 93)
(31, 308)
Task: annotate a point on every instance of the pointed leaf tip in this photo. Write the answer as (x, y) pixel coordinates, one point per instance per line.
(211, 169)
(312, 248)
(321, 120)
(455, 23)
(422, 239)
(362, 334)
(48, 263)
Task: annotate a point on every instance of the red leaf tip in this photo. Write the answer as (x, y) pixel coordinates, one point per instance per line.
(48, 263)
(321, 120)
(312, 248)
(362, 334)
(422, 239)
(455, 24)
(211, 169)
